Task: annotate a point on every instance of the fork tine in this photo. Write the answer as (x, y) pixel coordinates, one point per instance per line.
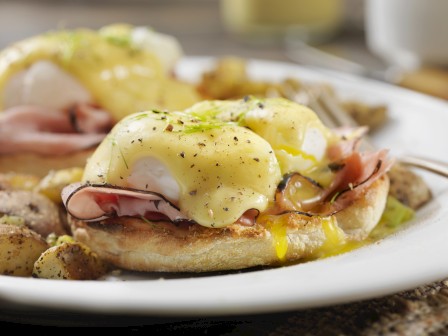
(341, 116)
(322, 102)
(433, 166)
(326, 107)
(313, 102)
(332, 110)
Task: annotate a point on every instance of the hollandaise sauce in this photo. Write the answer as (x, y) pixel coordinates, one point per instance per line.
(122, 77)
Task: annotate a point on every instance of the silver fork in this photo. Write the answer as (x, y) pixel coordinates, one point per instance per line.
(322, 102)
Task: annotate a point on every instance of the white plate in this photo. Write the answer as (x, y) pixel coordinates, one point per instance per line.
(411, 258)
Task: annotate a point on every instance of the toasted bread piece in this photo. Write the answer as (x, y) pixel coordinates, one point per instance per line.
(135, 244)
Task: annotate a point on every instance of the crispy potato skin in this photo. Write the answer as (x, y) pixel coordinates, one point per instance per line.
(20, 247)
(408, 187)
(69, 261)
(40, 214)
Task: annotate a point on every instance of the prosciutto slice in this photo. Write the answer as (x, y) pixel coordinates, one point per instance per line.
(50, 132)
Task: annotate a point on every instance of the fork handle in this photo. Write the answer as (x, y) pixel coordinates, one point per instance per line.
(434, 166)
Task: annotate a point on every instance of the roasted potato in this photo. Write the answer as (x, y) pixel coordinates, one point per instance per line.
(14, 181)
(38, 212)
(52, 184)
(408, 187)
(69, 261)
(373, 116)
(229, 80)
(20, 247)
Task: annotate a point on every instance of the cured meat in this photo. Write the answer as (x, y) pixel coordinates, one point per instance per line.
(354, 174)
(353, 171)
(50, 132)
(96, 202)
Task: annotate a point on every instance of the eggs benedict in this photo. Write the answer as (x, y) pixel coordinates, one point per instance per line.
(226, 185)
(61, 92)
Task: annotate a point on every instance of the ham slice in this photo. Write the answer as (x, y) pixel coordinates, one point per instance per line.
(47, 143)
(50, 132)
(350, 139)
(97, 201)
(90, 202)
(86, 118)
(355, 173)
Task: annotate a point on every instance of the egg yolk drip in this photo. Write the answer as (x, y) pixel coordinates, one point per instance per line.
(280, 237)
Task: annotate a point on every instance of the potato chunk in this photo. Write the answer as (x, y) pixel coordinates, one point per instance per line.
(52, 184)
(38, 212)
(69, 260)
(408, 187)
(373, 116)
(230, 80)
(15, 181)
(20, 247)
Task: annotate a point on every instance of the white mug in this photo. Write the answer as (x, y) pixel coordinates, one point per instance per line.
(408, 33)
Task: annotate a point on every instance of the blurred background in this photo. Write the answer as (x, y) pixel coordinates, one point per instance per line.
(401, 41)
(203, 26)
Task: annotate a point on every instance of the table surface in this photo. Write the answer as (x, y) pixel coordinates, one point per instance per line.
(197, 25)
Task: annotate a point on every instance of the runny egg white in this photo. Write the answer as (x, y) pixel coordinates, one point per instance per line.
(44, 84)
(215, 160)
(150, 173)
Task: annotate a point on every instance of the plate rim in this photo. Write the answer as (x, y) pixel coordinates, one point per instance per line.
(223, 304)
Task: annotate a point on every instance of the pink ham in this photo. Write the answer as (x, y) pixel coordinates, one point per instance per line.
(46, 143)
(248, 218)
(86, 118)
(353, 172)
(96, 202)
(89, 202)
(350, 139)
(45, 131)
